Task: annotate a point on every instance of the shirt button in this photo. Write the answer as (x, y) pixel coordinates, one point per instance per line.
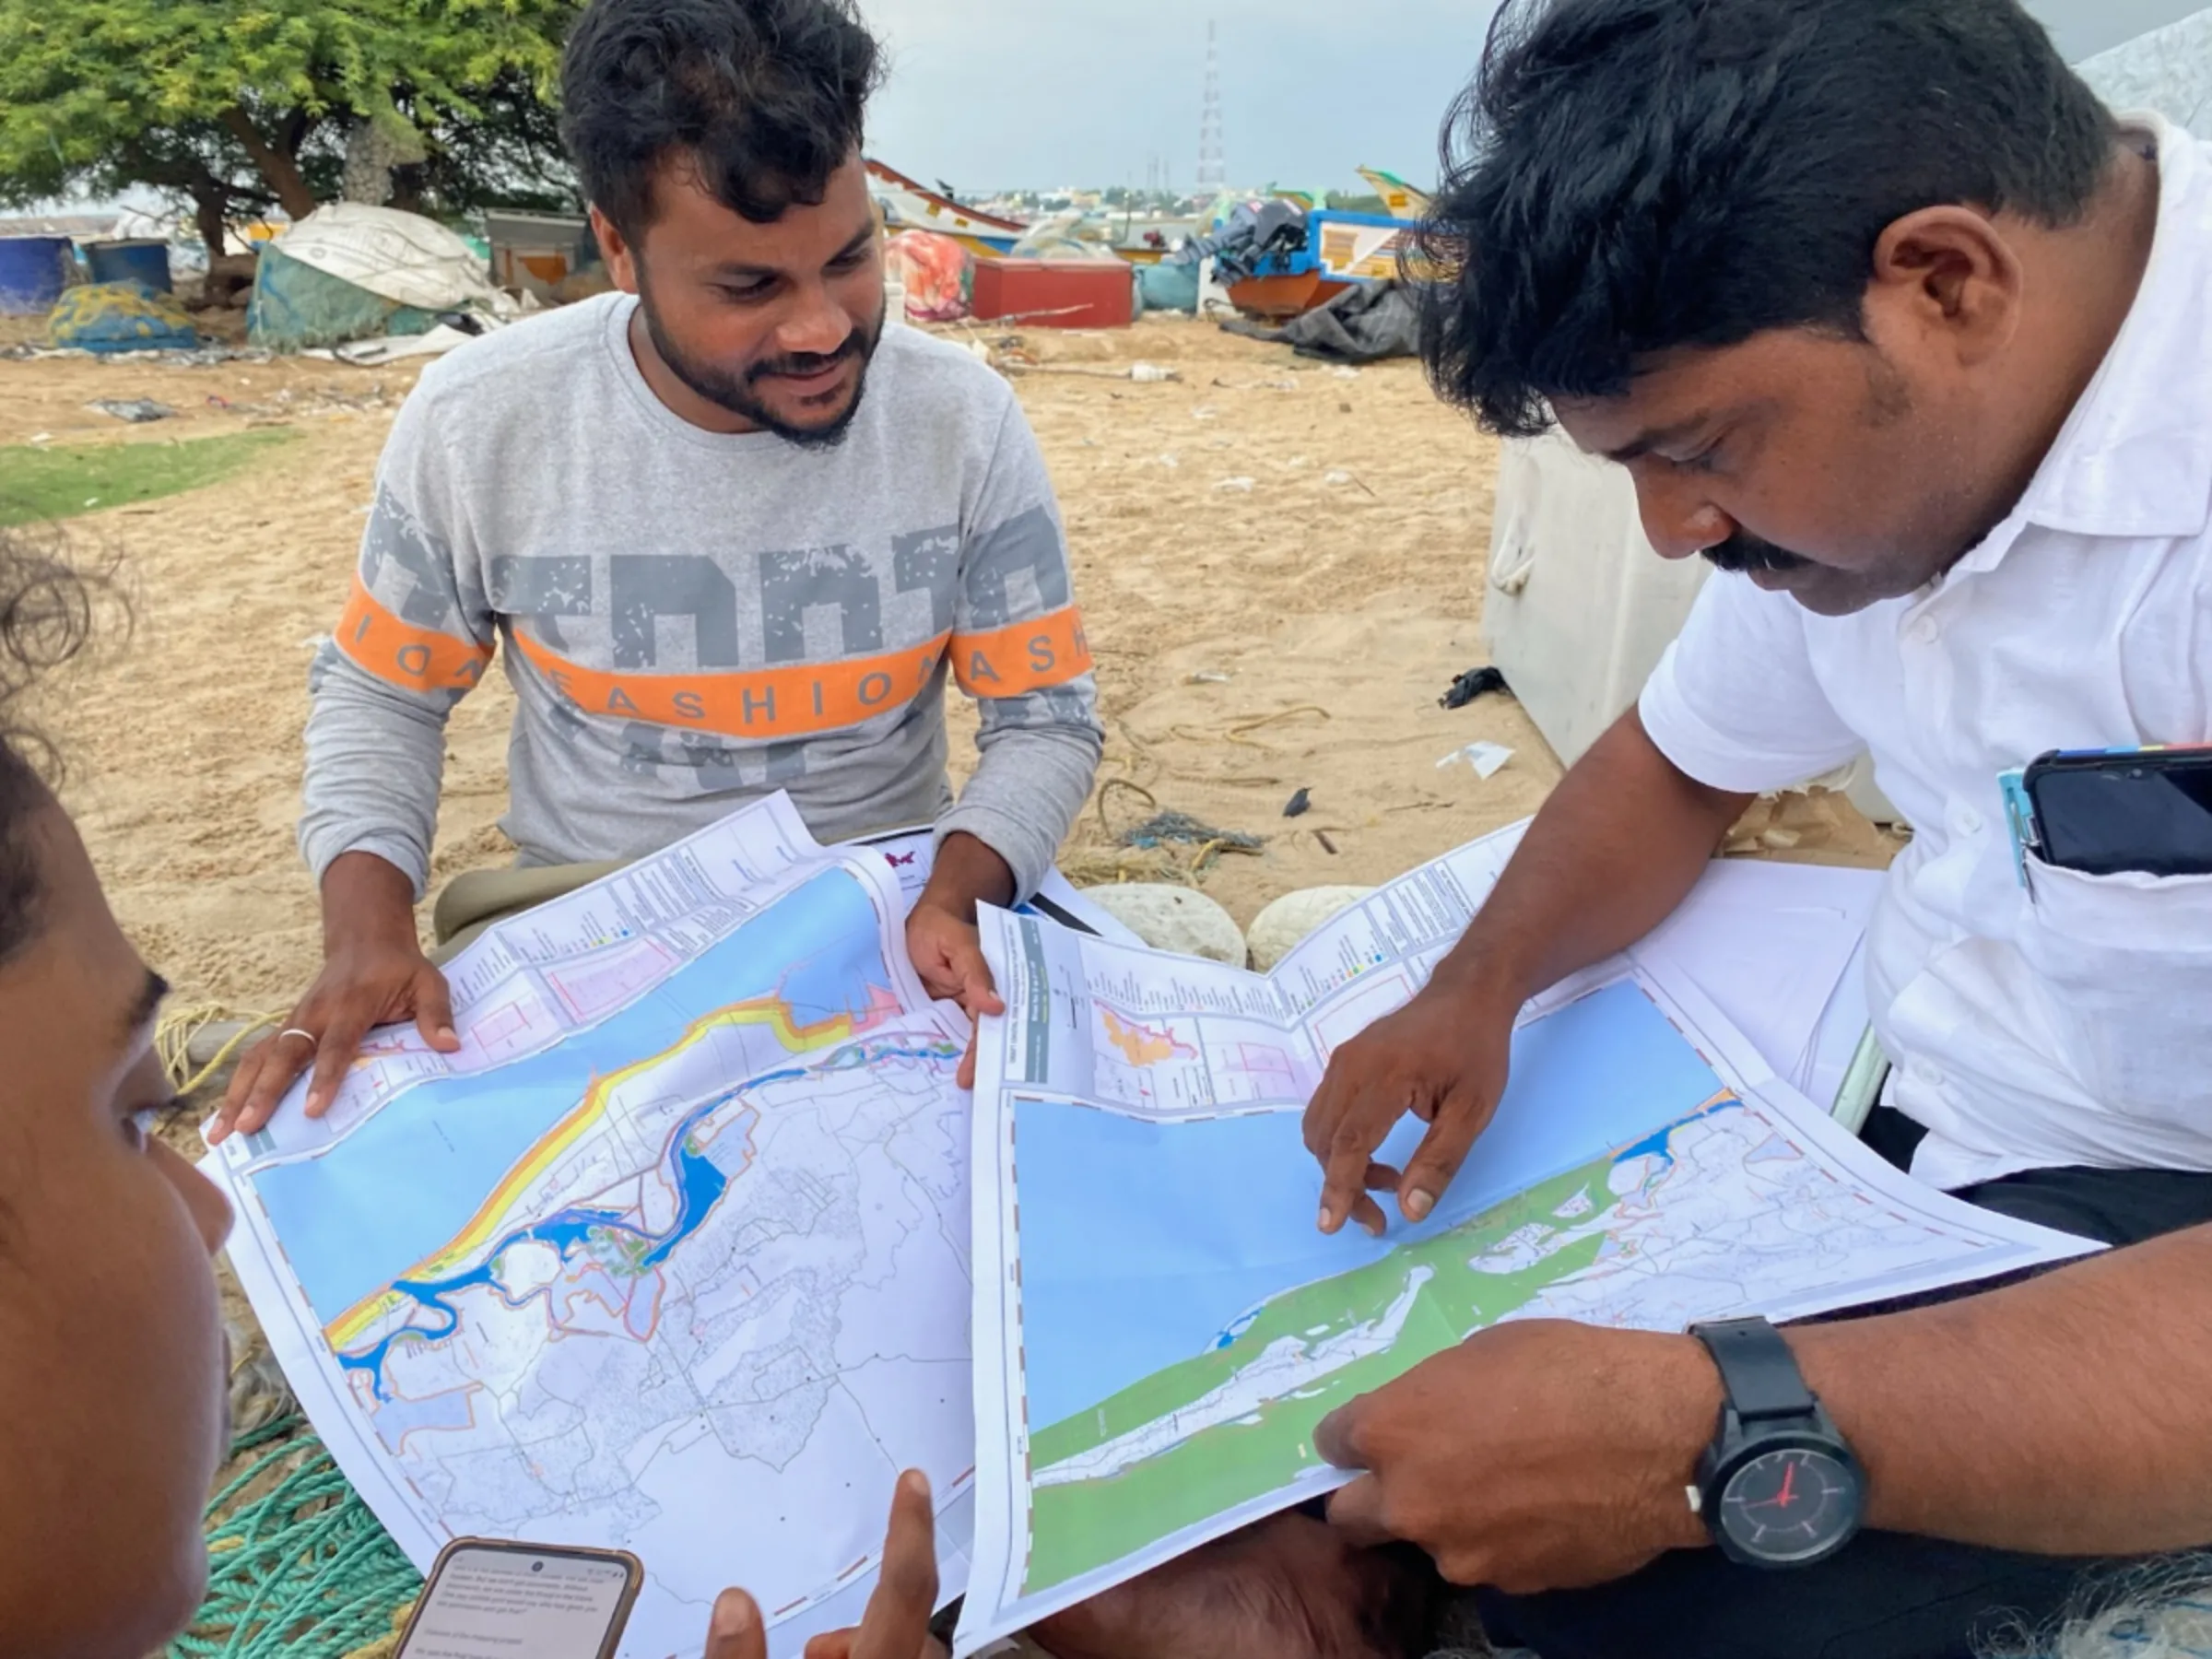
(1966, 821)
(1927, 1072)
(1927, 630)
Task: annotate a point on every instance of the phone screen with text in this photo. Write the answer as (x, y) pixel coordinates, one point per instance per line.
(488, 1603)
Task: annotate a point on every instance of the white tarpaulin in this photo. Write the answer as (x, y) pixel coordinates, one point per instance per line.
(2168, 70)
(402, 257)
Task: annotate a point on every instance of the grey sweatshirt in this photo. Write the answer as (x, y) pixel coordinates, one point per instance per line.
(690, 620)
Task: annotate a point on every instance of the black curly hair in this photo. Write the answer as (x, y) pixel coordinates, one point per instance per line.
(764, 98)
(1625, 177)
(46, 611)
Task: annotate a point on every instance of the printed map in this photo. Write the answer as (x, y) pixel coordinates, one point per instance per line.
(686, 1274)
(1644, 1169)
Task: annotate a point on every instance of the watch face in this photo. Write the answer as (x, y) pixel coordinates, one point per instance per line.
(1792, 1504)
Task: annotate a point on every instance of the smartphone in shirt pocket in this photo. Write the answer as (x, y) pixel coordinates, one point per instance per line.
(2117, 855)
(2123, 811)
(487, 1599)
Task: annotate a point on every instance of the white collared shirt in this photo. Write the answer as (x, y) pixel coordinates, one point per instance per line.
(2070, 1022)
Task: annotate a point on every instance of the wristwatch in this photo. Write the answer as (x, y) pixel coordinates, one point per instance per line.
(1778, 1487)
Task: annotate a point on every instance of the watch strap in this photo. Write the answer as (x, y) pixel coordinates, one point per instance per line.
(1759, 1373)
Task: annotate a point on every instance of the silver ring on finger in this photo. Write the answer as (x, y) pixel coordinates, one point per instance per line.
(313, 1040)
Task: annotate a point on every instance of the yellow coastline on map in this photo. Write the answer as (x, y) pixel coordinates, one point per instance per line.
(483, 1227)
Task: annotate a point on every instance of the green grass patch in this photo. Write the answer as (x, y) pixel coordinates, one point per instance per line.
(40, 483)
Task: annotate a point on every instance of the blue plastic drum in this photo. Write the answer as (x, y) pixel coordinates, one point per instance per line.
(32, 272)
(144, 260)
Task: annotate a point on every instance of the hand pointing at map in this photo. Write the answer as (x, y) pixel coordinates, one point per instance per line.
(1442, 1057)
(896, 1625)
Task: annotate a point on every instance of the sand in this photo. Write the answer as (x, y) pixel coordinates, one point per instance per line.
(1281, 566)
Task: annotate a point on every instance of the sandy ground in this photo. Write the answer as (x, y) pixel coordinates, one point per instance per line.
(1280, 564)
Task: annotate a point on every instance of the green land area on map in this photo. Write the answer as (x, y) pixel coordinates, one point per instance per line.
(1078, 1525)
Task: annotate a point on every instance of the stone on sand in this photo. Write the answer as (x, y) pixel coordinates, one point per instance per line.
(1277, 930)
(1173, 918)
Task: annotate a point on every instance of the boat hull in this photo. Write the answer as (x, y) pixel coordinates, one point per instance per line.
(1279, 298)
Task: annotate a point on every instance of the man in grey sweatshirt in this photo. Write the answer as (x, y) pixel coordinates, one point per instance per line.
(724, 532)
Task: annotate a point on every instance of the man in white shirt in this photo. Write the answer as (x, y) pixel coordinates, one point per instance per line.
(1889, 319)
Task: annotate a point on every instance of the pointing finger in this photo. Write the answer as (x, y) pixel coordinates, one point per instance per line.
(1344, 1180)
(1443, 1149)
(897, 1621)
(736, 1631)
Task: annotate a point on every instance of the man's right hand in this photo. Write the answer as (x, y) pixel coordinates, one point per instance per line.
(373, 973)
(1623, 839)
(1442, 1057)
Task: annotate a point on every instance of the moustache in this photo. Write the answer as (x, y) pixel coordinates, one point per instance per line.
(805, 362)
(1744, 552)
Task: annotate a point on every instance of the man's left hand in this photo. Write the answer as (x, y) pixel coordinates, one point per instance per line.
(948, 954)
(942, 940)
(1536, 1455)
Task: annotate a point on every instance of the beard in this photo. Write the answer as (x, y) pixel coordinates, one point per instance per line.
(1744, 552)
(736, 392)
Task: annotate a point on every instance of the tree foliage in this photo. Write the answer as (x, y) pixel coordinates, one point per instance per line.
(249, 104)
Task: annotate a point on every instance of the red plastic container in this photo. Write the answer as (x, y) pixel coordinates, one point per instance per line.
(1054, 293)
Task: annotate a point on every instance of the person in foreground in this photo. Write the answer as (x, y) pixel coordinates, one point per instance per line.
(1890, 320)
(727, 531)
(113, 1358)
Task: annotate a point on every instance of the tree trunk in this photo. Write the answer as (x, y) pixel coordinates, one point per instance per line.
(208, 202)
(280, 169)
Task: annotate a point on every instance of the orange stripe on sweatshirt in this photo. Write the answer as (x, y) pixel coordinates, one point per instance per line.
(794, 701)
(415, 659)
(1030, 656)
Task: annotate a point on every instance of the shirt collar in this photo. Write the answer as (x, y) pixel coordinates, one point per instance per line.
(2134, 458)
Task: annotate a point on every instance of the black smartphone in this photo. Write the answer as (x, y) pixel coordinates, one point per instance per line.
(2121, 811)
(492, 1600)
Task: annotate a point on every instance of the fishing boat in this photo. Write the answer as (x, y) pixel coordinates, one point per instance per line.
(909, 205)
(1146, 238)
(1340, 249)
(1403, 200)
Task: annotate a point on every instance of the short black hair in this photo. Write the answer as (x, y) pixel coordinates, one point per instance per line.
(1625, 177)
(46, 607)
(767, 98)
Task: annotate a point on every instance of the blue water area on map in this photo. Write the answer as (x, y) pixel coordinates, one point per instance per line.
(1141, 1243)
(400, 1187)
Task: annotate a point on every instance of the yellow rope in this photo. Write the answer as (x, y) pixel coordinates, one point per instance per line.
(1235, 734)
(1107, 788)
(172, 1041)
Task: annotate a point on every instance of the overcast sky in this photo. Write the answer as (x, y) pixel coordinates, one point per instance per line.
(1035, 93)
